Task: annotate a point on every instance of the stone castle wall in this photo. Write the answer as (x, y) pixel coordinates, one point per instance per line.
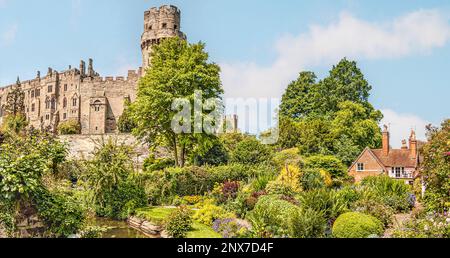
(80, 94)
(83, 146)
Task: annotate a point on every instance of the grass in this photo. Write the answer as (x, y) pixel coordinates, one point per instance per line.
(157, 215)
(202, 231)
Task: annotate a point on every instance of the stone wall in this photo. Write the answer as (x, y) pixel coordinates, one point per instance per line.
(83, 146)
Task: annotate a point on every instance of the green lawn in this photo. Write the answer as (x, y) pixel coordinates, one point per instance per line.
(158, 214)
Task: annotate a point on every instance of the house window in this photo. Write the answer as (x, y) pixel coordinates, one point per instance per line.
(50, 88)
(398, 172)
(360, 166)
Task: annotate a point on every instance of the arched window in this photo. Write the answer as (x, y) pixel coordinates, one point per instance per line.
(74, 101)
(97, 104)
(53, 103)
(47, 103)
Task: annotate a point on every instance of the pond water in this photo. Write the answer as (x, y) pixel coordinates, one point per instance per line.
(119, 229)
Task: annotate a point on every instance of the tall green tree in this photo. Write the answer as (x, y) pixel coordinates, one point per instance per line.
(353, 129)
(345, 82)
(332, 116)
(436, 166)
(177, 70)
(299, 99)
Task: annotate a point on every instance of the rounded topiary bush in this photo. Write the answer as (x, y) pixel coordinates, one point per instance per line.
(356, 225)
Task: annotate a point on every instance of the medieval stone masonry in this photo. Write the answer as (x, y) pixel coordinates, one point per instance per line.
(81, 94)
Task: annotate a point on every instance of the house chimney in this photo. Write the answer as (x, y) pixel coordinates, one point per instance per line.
(413, 144)
(386, 141)
(404, 145)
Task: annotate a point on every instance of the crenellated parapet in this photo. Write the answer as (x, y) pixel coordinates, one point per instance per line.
(159, 23)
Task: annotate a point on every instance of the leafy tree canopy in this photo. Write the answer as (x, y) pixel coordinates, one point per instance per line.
(177, 70)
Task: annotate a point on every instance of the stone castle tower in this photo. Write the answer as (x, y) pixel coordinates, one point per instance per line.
(159, 23)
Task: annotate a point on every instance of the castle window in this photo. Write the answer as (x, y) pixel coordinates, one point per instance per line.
(38, 93)
(360, 167)
(97, 108)
(164, 25)
(47, 104)
(150, 27)
(74, 102)
(175, 27)
(65, 87)
(64, 103)
(50, 88)
(32, 93)
(64, 116)
(47, 117)
(53, 103)
(33, 107)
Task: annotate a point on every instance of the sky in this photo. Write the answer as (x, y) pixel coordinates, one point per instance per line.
(402, 47)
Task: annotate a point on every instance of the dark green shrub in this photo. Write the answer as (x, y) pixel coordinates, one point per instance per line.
(60, 213)
(179, 222)
(216, 156)
(357, 225)
(123, 200)
(312, 179)
(307, 223)
(251, 152)
(330, 164)
(270, 216)
(69, 127)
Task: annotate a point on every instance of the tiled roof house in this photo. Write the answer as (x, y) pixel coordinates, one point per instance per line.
(402, 164)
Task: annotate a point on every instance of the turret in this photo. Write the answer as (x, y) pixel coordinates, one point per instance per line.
(82, 68)
(159, 23)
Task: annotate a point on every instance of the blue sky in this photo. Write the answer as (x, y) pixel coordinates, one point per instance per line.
(403, 47)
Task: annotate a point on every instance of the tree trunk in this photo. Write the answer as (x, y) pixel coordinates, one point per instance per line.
(175, 151)
(183, 155)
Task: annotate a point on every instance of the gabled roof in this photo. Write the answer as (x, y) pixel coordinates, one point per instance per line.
(396, 158)
(367, 149)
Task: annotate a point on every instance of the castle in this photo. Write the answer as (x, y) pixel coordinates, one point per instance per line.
(81, 94)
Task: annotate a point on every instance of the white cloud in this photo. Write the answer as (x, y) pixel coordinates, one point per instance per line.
(415, 33)
(8, 36)
(400, 126)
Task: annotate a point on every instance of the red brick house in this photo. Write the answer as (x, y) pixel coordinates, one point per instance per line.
(401, 164)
